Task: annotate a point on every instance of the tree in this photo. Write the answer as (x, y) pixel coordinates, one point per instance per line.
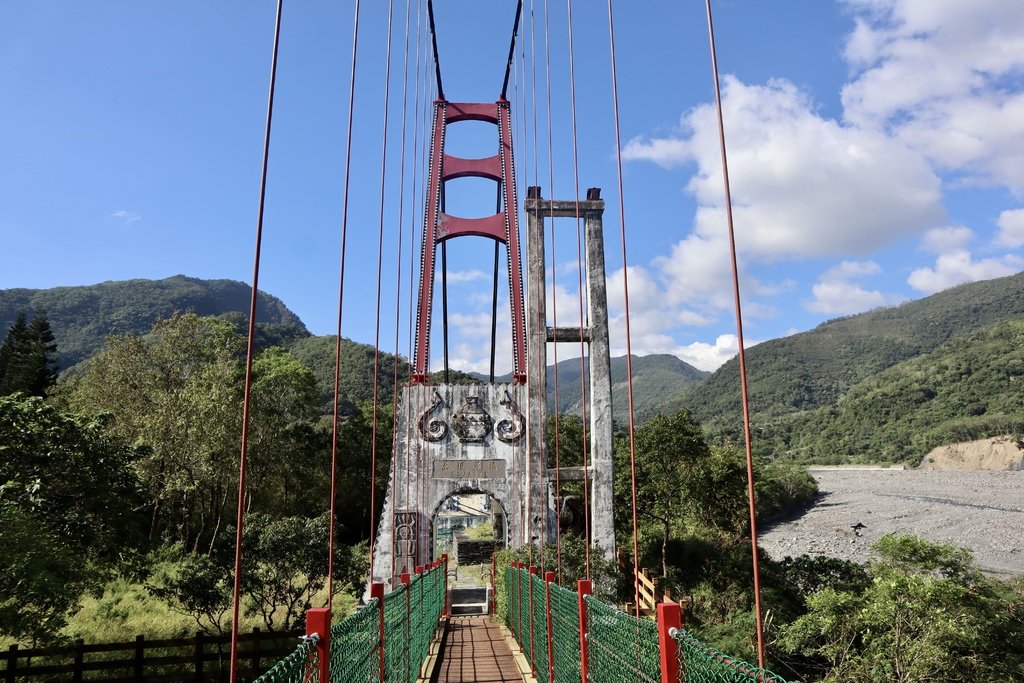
(28, 357)
(176, 391)
(926, 614)
(67, 513)
(670, 450)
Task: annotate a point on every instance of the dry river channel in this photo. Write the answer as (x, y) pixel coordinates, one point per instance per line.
(979, 510)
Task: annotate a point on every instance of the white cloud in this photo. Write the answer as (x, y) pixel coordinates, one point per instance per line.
(837, 293)
(936, 74)
(802, 184)
(459, 276)
(1011, 229)
(958, 267)
(126, 217)
(945, 240)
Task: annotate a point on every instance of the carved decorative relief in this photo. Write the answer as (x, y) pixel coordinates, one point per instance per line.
(405, 534)
(433, 428)
(512, 427)
(472, 424)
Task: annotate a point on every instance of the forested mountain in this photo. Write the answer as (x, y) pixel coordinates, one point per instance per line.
(969, 388)
(83, 317)
(812, 369)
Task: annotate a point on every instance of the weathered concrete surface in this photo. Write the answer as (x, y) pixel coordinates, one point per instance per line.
(450, 440)
(983, 511)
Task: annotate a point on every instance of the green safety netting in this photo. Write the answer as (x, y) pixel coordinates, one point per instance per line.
(699, 663)
(510, 603)
(396, 635)
(523, 582)
(301, 666)
(355, 641)
(621, 647)
(539, 624)
(565, 634)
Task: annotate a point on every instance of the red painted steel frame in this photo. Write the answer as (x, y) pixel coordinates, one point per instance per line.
(502, 227)
(669, 617)
(318, 621)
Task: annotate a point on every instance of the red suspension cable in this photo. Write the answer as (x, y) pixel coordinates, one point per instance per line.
(739, 338)
(625, 290)
(398, 266)
(341, 301)
(579, 264)
(236, 594)
(380, 265)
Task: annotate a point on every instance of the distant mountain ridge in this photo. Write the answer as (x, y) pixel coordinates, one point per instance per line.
(812, 369)
(82, 317)
(654, 377)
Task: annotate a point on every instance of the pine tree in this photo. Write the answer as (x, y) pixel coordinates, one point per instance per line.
(28, 357)
(9, 352)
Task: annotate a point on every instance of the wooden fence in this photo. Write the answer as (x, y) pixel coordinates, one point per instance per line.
(201, 658)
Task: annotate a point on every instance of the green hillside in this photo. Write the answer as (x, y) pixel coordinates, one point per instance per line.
(969, 388)
(83, 317)
(813, 369)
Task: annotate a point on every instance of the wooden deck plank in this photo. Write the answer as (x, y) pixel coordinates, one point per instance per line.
(476, 652)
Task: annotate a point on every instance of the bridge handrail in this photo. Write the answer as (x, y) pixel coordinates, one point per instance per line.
(593, 640)
(387, 639)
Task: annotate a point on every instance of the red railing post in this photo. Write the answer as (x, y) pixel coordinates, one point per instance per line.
(444, 561)
(583, 589)
(377, 591)
(318, 621)
(533, 642)
(519, 602)
(549, 578)
(492, 606)
(408, 624)
(669, 617)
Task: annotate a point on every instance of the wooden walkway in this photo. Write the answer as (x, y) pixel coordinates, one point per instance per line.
(475, 652)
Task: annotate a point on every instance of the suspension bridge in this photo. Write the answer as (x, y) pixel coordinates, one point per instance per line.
(489, 438)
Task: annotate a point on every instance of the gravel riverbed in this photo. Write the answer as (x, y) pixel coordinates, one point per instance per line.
(980, 510)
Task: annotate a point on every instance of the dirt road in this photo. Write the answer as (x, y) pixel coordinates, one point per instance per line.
(980, 510)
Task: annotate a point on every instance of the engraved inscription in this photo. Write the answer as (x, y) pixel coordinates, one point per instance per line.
(469, 469)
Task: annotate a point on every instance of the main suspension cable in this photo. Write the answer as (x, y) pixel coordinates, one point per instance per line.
(739, 339)
(236, 594)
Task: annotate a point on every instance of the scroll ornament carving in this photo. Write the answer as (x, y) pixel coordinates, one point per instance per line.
(512, 427)
(433, 428)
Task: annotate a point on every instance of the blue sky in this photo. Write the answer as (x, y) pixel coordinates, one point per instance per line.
(876, 150)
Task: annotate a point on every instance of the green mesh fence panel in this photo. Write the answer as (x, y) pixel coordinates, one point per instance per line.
(700, 663)
(354, 646)
(620, 647)
(539, 646)
(510, 600)
(565, 634)
(396, 636)
(525, 640)
(301, 666)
